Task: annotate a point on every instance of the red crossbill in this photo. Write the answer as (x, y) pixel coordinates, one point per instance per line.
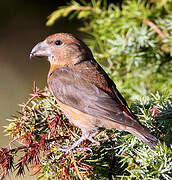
(85, 93)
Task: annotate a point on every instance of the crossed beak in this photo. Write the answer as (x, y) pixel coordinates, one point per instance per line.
(40, 50)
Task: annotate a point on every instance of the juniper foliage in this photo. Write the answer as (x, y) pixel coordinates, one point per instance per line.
(133, 42)
(40, 129)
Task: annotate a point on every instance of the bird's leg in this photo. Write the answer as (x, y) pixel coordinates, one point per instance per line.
(90, 138)
(85, 135)
(68, 149)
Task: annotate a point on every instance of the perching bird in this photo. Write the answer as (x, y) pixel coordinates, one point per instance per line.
(85, 93)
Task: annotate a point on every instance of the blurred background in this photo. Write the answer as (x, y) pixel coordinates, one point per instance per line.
(22, 26)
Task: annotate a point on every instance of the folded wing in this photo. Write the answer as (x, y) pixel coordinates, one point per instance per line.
(69, 87)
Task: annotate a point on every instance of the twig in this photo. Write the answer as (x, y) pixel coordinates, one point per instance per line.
(32, 145)
(154, 27)
(36, 93)
(82, 8)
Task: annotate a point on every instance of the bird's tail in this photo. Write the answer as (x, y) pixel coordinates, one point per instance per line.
(144, 134)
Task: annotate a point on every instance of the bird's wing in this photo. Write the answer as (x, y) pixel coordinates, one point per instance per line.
(72, 89)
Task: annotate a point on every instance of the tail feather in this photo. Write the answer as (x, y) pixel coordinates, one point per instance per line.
(144, 134)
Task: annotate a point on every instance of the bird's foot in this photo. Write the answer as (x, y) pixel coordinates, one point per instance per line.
(67, 149)
(94, 141)
(85, 149)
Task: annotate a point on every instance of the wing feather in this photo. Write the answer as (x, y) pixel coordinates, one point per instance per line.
(72, 89)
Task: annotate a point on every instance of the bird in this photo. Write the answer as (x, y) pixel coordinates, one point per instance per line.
(84, 91)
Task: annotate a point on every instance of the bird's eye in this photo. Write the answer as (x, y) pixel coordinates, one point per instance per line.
(58, 42)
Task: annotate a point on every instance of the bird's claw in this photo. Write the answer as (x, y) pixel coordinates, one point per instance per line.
(85, 149)
(66, 149)
(94, 141)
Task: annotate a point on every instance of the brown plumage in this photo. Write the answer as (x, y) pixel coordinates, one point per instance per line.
(88, 97)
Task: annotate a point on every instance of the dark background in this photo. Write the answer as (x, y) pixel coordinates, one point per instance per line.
(22, 26)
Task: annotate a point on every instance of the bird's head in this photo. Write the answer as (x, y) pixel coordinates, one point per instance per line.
(62, 49)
